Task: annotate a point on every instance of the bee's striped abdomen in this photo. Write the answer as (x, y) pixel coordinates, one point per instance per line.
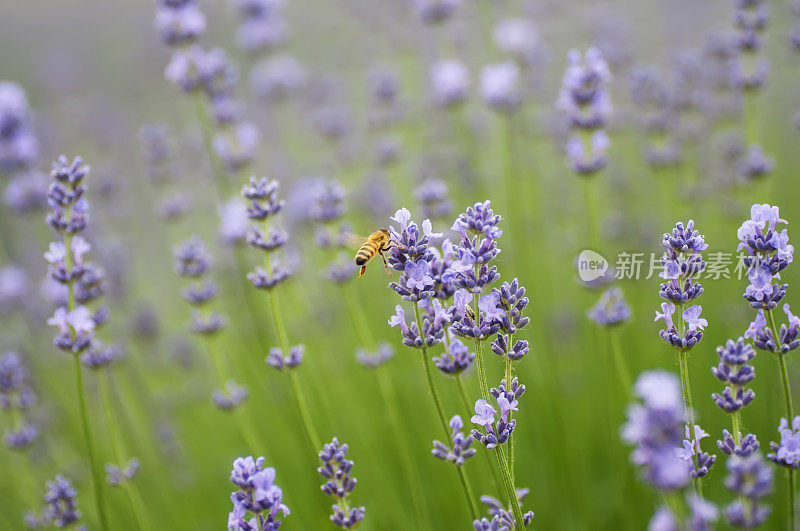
(366, 252)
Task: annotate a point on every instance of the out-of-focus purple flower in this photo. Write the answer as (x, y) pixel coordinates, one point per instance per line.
(327, 200)
(460, 451)
(384, 86)
(193, 69)
(256, 34)
(233, 221)
(179, 23)
(383, 353)
(654, 426)
(787, 453)
(516, 37)
(702, 515)
(336, 469)
(237, 146)
(434, 199)
(435, 11)
(62, 503)
(116, 476)
(26, 192)
(755, 165)
(450, 83)
(499, 86)
(278, 77)
(233, 395)
(583, 95)
(587, 158)
(750, 478)
(13, 288)
(611, 309)
(277, 360)
(19, 146)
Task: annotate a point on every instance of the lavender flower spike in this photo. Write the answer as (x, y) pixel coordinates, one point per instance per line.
(460, 451)
(256, 494)
(336, 470)
(787, 453)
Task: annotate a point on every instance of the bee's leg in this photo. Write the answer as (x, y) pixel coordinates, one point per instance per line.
(363, 269)
(385, 264)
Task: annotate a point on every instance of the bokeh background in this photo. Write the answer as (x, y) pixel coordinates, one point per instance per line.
(94, 75)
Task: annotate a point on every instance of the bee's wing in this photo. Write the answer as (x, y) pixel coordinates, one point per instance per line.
(352, 240)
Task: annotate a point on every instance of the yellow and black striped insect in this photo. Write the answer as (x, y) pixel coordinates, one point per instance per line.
(378, 242)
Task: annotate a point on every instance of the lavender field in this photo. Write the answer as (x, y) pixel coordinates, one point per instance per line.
(399, 265)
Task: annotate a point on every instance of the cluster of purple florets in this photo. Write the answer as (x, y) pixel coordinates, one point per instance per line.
(336, 470)
(257, 495)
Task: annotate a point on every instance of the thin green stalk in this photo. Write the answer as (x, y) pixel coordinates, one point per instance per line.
(683, 364)
(87, 435)
(387, 395)
(619, 362)
(221, 368)
(591, 212)
(280, 331)
(787, 396)
(440, 412)
(510, 492)
(222, 183)
(120, 455)
(738, 439)
(510, 376)
(479, 348)
(87, 432)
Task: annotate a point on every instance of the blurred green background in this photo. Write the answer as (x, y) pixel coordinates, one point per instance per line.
(94, 74)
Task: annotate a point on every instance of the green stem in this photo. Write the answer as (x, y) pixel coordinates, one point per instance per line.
(440, 412)
(619, 361)
(218, 174)
(510, 492)
(87, 435)
(388, 396)
(787, 396)
(301, 405)
(120, 455)
(510, 376)
(738, 439)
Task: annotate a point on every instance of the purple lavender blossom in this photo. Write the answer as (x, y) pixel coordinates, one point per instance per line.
(193, 262)
(179, 22)
(499, 86)
(455, 359)
(435, 11)
(234, 224)
(500, 516)
(339, 485)
(497, 431)
(258, 494)
(233, 395)
(264, 204)
(583, 95)
(702, 516)
(278, 361)
(62, 504)
(450, 83)
(460, 451)
(117, 477)
(13, 288)
(611, 309)
(278, 77)
(698, 461)
(433, 199)
(383, 353)
(655, 428)
(734, 371)
(327, 201)
(236, 146)
(750, 478)
(516, 37)
(19, 146)
(747, 446)
(755, 165)
(412, 256)
(787, 453)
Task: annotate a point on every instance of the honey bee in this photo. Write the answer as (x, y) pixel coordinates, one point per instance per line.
(378, 242)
